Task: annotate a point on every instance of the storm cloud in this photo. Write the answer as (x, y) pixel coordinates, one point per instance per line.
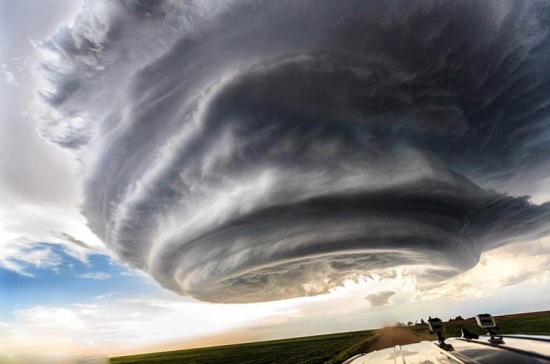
(245, 151)
(380, 298)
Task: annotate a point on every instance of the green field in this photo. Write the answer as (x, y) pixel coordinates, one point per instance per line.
(525, 323)
(334, 348)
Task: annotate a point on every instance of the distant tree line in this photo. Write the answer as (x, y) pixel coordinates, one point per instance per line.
(422, 322)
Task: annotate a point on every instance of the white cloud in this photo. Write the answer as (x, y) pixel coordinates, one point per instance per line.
(116, 326)
(21, 254)
(51, 319)
(98, 276)
(511, 265)
(23, 226)
(9, 77)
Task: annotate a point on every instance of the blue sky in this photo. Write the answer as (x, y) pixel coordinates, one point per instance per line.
(70, 281)
(311, 170)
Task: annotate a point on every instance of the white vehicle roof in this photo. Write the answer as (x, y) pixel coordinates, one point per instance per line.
(515, 349)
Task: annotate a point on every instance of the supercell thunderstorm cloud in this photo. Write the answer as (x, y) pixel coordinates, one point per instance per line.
(253, 151)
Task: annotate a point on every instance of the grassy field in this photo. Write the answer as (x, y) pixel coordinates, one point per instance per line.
(524, 323)
(328, 349)
(334, 348)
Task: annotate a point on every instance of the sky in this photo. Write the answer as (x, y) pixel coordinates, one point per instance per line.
(180, 174)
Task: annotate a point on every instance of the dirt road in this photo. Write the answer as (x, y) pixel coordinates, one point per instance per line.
(391, 336)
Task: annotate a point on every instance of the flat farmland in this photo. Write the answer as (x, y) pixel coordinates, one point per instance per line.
(333, 348)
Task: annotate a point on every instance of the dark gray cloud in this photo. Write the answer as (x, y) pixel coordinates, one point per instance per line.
(380, 298)
(252, 152)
